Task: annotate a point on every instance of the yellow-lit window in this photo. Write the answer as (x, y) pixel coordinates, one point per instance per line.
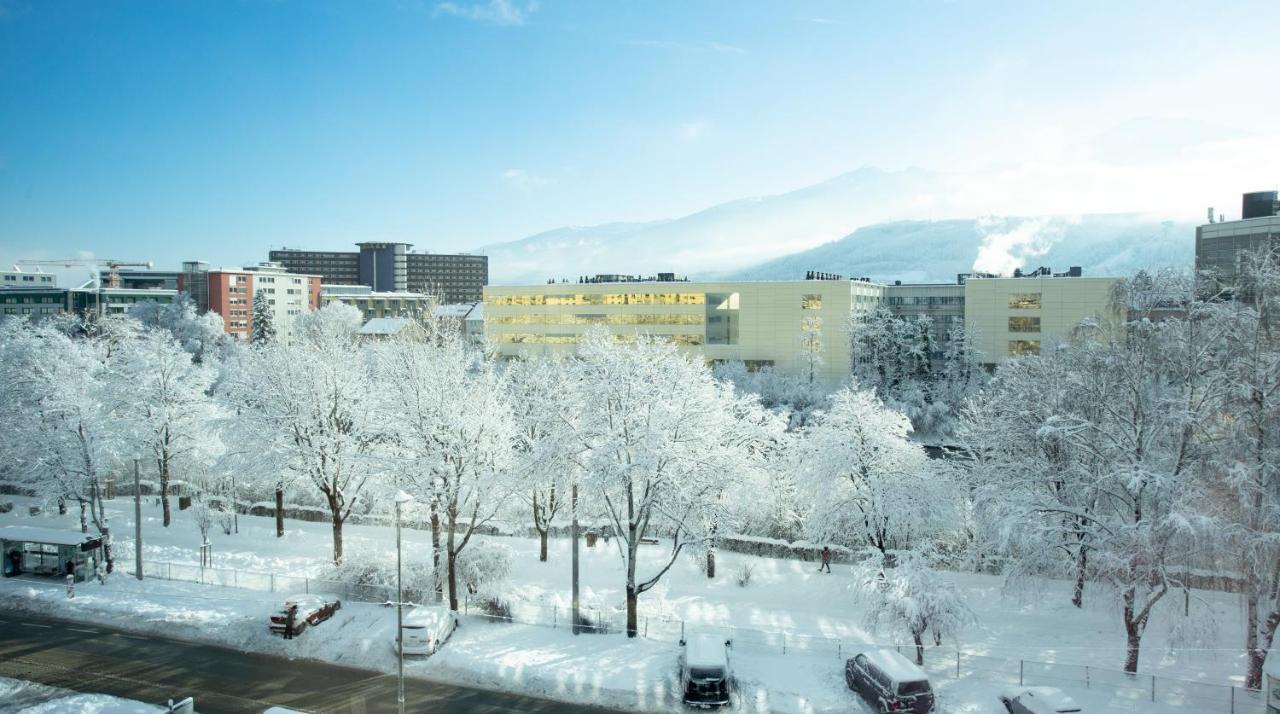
(1024, 324)
(1024, 301)
(1019, 348)
(811, 302)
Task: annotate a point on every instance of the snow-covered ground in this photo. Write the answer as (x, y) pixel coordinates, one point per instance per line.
(17, 695)
(818, 613)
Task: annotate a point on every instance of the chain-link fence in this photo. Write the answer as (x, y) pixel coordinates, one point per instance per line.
(938, 661)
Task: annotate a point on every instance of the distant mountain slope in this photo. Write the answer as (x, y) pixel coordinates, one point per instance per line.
(935, 251)
(729, 236)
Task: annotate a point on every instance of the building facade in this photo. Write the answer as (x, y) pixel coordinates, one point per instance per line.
(394, 267)
(798, 327)
(1012, 317)
(373, 305)
(230, 293)
(24, 279)
(1223, 246)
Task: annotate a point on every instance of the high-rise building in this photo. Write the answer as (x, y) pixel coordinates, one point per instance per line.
(1223, 246)
(230, 293)
(393, 267)
(26, 279)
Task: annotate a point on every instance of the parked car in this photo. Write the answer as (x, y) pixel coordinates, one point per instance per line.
(312, 610)
(889, 682)
(1039, 700)
(705, 675)
(426, 628)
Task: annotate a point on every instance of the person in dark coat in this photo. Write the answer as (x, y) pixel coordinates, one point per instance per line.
(288, 624)
(826, 560)
(15, 562)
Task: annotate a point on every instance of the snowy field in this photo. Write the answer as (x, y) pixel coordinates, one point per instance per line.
(17, 695)
(786, 601)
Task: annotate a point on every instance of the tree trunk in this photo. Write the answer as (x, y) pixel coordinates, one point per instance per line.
(633, 598)
(1260, 640)
(279, 512)
(84, 518)
(711, 564)
(918, 636)
(1252, 680)
(1077, 595)
(435, 551)
(1133, 635)
(163, 465)
(542, 545)
(337, 538)
(633, 602)
(453, 573)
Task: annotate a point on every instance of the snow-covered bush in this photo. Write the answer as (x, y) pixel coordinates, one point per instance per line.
(910, 597)
(742, 574)
(366, 566)
(482, 566)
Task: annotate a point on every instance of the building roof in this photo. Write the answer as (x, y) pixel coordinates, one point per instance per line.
(36, 534)
(385, 326)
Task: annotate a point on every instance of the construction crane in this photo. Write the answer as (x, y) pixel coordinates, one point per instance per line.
(113, 266)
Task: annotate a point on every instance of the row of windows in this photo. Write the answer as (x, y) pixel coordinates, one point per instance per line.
(1024, 301)
(30, 310)
(570, 339)
(927, 300)
(1024, 324)
(601, 299)
(28, 278)
(28, 299)
(1020, 348)
(597, 319)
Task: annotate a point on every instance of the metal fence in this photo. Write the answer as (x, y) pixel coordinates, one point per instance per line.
(938, 661)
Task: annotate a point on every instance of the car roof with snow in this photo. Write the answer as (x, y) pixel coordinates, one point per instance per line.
(899, 668)
(310, 599)
(706, 651)
(426, 615)
(1044, 699)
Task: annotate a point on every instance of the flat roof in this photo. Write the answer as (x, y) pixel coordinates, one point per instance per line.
(37, 534)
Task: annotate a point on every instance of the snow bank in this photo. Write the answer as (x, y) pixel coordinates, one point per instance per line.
(21, 696)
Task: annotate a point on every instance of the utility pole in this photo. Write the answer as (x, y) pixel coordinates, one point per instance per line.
(574, 532)
(401, 499)
(137, 519)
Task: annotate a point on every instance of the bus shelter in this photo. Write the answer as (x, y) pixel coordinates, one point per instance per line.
(31, 550)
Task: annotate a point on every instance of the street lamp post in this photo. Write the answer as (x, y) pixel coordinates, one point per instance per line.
(137, 519)
(574, 534)
(401, 499)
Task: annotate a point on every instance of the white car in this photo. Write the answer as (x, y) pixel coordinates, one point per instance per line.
(1039, 700)
(426, 628)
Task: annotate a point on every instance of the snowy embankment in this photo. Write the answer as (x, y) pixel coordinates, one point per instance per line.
(17, 695)
(784, 597)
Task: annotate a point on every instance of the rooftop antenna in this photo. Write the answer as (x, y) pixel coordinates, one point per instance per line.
(1211, 214)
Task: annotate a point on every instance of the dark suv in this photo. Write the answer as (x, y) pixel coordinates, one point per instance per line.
(889, 682)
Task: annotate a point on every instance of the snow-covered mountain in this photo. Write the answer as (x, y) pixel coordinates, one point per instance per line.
(935, 251)
(843, 225)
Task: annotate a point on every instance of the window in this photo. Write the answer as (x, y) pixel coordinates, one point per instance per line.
(1024, 301)
(722, 318)
(1020, 348)
(1024, 324)
(811, 302)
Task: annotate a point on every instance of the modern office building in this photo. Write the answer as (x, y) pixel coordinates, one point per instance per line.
(373, 305)
(1011, 317)
(143, 279)
(799, 327)
(1223, 246)
(394, 267)
(32, 302)
(24, 279)
(230, 293)
(115, 301)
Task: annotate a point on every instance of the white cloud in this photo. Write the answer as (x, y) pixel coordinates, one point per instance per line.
(524, 180)
(496, 12)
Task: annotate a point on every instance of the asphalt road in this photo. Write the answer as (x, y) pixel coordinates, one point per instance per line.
(93, 658)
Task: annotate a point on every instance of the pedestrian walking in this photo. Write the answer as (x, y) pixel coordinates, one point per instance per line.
(102, 572)
(826, 560)
(288, 624)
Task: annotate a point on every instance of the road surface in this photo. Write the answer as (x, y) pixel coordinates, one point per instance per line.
(92, 658)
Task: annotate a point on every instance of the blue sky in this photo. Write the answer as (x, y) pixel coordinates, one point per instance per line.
(186, 129)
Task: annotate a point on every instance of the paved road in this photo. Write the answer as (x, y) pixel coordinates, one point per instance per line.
(151, 669)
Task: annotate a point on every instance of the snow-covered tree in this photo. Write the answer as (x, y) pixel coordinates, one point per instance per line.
(865, 482)
(661, 442)
(170, 407)
(202, 335)
(910, 597)
(313, 404)
(454, 433)
(264, 329)
(543, 448)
